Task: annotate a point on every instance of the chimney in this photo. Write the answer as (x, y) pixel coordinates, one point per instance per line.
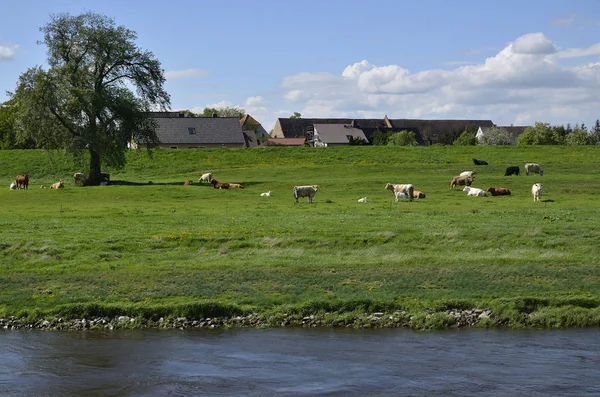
(214, 115)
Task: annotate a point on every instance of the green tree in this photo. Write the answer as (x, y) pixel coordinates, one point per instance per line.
(496, 136)
(594, 135)
(402, 138)
(296, 115)
(84, 100)
(539, 134)
(467, 138)
(379, 138)
(226, 111)
(577, 136)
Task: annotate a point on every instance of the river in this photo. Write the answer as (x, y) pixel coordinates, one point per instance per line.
(301, 362)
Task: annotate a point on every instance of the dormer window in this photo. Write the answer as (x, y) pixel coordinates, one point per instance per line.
(192, 130)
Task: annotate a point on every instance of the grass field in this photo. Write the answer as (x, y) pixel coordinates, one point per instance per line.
(139, 248)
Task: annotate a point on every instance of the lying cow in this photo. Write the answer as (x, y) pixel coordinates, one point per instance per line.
(219, 185)
(468, 173)
(266, 194)
(473, 191)
(418, 194)
(362, 200)
(512, 171)
(406, 188)
(13, 186)
(79, 179)
(22, 181)
(58, 185)
(535, 168)
(305, 191)
(499, 191)
(461, 181)
(479, 162)
(205, 178)
(236, 185)
(188, 183)
(536, 191)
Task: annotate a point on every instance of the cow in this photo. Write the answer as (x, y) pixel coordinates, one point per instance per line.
(461, 181)
(188, 183)
(362, 200)
(512, 171)
(22, 181)
(468, 173)
(418, 194)
(236, 185)
(305, 191)
(79, 179)
(473, 191)
(535, 168)
(266, 194)
(499, 191)
(205, 178)
(13, 185)
(58, 185)
(219, 185)
(406, 188)
(536, 191)
(479, 162)
(400, 195)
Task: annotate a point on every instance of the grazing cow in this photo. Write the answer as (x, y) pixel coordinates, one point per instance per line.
(219, 185)
(305, 191)
(406, 188)
(400, 195)
(205, 178)
(479, 162)
(362, 200)
(499, 191)
(22, 181)
(418, 194)
(468, 173)
(473, 191)
(533, 167)
(461, 181)
(79, 179)
(188, 183)
(536, 191)
(266, 194)
(58, 185)
(512, 171)
(13, 186)
(236, 185)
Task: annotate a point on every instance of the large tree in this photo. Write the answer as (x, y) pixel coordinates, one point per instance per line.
(85, 100)
(226, 111)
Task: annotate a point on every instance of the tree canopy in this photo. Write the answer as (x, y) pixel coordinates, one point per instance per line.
(496, 136)
(226, 111)
(85, 100)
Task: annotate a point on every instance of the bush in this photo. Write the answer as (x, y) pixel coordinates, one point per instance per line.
(496, 136)
(467, 138)
(402, 138)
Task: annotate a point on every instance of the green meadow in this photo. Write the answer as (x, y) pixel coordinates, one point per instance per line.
(146, 245)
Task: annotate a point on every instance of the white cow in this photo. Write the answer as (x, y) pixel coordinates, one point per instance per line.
(536, 191)
(362, 200)
(13, 186)
(266, 194)
(468, 173)
(400, 195)
(535, 168)
(205, 178)
(79, 178)
(305, 191)
(407, 189)
(473, 191)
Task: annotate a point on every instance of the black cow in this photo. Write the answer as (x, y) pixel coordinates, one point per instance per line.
(479, 162)
(512, 171)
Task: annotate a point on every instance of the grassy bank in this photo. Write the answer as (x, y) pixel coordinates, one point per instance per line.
(142, 249)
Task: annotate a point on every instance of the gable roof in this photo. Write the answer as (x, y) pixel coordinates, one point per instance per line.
(337, 133)
(208, 130)
(434, 130)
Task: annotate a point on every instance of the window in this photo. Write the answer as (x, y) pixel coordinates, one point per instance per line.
(192, 130)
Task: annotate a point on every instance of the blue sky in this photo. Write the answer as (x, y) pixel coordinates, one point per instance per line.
(514, 62)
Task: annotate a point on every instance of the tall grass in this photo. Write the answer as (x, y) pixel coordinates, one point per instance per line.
(167, 248)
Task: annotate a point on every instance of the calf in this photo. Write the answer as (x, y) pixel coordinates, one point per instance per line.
(536, 191)
(419, 194)
(236, 185)
(400, 195)
(305, 191)
(499, 191)
(13, 185)
(188, 183)
(479, 162)
(205, 178)
(266, 194)
(362, 200)
(512, 171)
(473, 191)
(58, 185)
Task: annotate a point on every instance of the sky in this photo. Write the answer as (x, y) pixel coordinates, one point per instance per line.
(512, 62)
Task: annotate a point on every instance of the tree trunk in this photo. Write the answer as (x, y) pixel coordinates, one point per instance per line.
(94, 178)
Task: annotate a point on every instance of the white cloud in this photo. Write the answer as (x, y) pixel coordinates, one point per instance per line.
(185, 74)
(524, 82)
(7, 52)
